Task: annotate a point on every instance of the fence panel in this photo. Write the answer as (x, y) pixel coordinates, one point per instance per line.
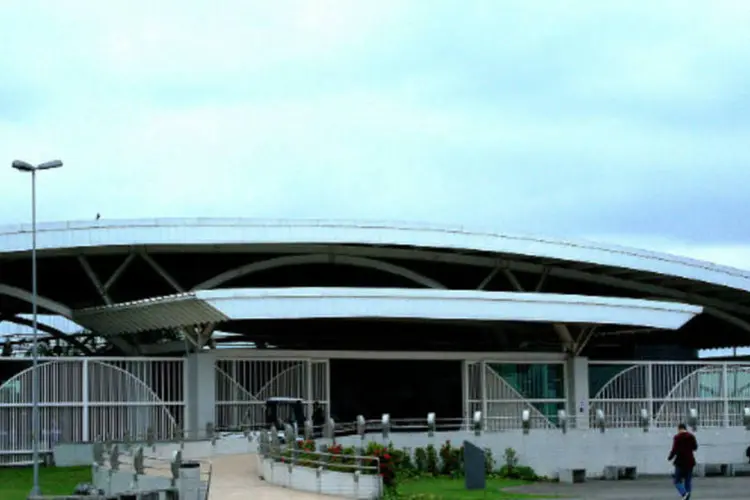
(718, 391)
(85, 398)
(502, 391)
(243, 386)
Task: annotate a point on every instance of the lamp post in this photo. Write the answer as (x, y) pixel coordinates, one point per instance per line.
(22, 166)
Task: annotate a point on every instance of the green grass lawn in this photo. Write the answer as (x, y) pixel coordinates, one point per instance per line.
(15, 482)
(454, 489)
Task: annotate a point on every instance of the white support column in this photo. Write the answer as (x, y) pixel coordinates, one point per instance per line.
(85, 426)
(483, 379)
(725, 394)
(577, 389)
(309, 389)
(328, 390)
(200, 392)
(466, 394)
(650, 392)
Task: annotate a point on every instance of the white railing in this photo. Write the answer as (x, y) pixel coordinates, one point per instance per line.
(83, 399)
(668, 391)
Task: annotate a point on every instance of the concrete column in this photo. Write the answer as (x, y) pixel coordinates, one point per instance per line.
(577, 386)
(200, 392)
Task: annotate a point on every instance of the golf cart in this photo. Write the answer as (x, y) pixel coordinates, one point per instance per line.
(282, 411)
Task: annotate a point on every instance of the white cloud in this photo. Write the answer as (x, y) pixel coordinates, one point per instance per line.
(544, 117)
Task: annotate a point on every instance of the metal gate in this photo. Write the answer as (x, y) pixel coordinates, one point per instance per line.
(502, 391)
(243, 385)
(82, 399)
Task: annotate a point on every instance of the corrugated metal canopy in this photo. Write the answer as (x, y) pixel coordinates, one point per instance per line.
(173, 311)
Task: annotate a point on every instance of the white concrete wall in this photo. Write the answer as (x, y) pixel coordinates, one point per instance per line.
(547, 451)
(344, 484)
(113, 482)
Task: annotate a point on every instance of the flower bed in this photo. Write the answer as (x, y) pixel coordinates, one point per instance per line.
(395, 465)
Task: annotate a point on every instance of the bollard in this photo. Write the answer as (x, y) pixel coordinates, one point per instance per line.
(526, 421)
(138, 460)
(114, 457)
(600, 420)
(477, 423)
(289, 435)
(175, 464)
(150, 437)
(98, 453)
(330, 430)
(386, 425)
(274, 441)
(645, 421)
(562, 420)
(211, 433)
(361, 426)
(693, 419)
(746, 418)
(431, 424)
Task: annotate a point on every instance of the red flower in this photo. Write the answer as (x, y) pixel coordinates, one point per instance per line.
(387, 456)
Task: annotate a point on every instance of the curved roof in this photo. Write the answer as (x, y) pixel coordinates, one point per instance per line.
(119, 261)
(305, 303)
(187, 232)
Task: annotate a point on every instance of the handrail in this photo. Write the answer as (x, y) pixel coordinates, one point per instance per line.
(360, 462)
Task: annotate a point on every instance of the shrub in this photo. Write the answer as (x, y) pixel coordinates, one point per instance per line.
(432, 461)
(451, 460)
(420, 460)
(489, 462)
(512, 470)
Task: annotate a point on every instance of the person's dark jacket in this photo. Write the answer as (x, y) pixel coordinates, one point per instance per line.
(683, 446)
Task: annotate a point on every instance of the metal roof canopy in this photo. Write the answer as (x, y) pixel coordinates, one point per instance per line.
(216, 306)
(160, 313)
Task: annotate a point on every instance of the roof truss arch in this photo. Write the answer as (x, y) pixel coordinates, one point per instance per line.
(48, 329)
(43, 302)
(319, 258)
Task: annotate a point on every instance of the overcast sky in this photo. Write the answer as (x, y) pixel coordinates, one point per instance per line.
(624, 121)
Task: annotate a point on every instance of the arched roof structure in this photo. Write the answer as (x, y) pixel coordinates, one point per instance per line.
(128, 260)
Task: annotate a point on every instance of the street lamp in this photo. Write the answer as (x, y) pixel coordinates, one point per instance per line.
(22, 166)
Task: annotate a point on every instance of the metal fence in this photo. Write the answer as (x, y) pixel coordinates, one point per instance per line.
(243, 386)
(718, 391)
(502, 391)
(82, 399)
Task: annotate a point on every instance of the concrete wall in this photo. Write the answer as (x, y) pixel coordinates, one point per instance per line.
(547, 451)
(121, 481)
(73, 454)
(113, 482)
(80, 454)
(345, 484)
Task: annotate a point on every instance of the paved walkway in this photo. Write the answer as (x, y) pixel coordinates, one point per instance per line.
(235, 477)
(712, 488)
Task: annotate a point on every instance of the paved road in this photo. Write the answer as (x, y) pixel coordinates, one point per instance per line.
(712, 488)
(235, 477)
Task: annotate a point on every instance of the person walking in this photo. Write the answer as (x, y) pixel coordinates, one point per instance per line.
(684, 445)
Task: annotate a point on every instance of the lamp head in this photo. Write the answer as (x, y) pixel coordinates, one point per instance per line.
(22, 166)
(47, 165)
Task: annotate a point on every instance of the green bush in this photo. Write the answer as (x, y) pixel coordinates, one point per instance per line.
(433, 467)
(396, 465)
(420, 460)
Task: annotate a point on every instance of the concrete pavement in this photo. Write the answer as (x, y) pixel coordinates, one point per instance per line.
(711, 488)
(235, 477)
